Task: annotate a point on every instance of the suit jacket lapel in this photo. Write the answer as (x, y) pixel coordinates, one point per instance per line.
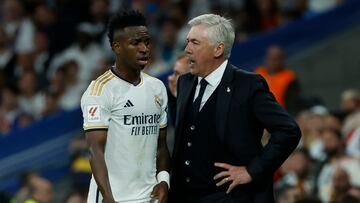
(225, 91)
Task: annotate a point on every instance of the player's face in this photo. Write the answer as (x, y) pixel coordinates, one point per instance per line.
(132, 47)
(200, 51)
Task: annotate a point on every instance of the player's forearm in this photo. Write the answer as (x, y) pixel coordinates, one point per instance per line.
(99, 169)
(163, 155)
(163, 160)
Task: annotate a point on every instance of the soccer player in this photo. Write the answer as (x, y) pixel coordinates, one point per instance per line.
(124, 114)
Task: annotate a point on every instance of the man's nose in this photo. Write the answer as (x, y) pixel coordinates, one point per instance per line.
(188, 49)
(143, 47)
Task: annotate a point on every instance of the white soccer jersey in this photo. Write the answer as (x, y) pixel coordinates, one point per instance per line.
(132, 116)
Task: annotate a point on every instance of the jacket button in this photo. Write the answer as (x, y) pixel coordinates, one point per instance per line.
(187, 179)
(189, 144)
(192, 127)
(187, 162)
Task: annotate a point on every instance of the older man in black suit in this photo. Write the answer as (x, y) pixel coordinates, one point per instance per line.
(222, 112)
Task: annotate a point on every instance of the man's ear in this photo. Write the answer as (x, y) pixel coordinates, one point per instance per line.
(116, 47)
(219, 50)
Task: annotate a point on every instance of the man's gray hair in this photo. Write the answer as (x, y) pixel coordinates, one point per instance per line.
(220, 30)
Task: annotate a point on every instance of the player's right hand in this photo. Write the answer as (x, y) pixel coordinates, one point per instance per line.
(160, 192)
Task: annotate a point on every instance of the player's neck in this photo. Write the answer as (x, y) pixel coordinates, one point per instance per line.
(127, 74)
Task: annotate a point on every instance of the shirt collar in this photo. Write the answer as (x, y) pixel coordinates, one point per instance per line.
(214, 77)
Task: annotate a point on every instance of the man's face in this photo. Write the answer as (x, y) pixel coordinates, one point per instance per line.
(200, 51)
(132, 47)
(181, 66)
(274, 59)
(332, 143)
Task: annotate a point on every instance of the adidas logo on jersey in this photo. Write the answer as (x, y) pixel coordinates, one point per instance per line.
(129, 104)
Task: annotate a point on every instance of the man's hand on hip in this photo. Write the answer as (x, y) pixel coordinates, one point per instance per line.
(235, 175)
(160, 192)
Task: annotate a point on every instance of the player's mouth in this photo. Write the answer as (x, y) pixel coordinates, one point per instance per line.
(143, 61)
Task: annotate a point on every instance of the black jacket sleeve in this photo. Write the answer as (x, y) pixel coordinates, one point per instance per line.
(284, 132)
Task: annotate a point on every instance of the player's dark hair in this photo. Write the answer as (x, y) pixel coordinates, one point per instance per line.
(124, 18)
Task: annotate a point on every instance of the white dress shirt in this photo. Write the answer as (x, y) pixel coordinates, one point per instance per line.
(213, 80)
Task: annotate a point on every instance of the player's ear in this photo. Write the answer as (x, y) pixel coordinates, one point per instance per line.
(116, 47)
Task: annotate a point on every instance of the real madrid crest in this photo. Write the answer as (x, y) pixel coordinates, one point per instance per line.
(158, 101)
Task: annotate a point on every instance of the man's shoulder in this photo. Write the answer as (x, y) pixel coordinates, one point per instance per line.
(186, 76)
(242, 75)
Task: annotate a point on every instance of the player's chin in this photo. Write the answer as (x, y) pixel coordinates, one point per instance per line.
(141, 67)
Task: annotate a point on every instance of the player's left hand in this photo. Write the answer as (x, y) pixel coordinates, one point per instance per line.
(235, 175)
(160, 192)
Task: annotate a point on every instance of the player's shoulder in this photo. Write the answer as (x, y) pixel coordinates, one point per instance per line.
(97, 86)
(150, 79)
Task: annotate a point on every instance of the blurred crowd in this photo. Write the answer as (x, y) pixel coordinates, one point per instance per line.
(51, 49)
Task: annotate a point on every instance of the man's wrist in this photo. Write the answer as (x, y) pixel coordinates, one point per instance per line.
(163, 176)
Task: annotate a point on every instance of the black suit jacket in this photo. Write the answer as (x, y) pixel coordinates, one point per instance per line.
(245, 107)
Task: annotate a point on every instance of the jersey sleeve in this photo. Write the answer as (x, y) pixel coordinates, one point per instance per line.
(164, 107)
(95, 110)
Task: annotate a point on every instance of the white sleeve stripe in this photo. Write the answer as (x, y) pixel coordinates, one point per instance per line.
(95, 127)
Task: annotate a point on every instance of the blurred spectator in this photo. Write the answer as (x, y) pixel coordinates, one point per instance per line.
(263, 15)
(168, 38)
(351, 132)
(57, 82)
(24, 63)
(7, 56)
(157, 65)
(58, 28)
(11, 115)
(25, 181)
(30, 99)
(19, 28)
(298, 173)
(332, 121)
(312, 135)
(75, 197)
(100, 12)
(342, 189)
(41, 191)
(287, 194)
(181, 66)
(282, 82)
(51, 103)
(179, 12)
(80, 165)
(350, 100)
(70, 97)
(42, 57)
(84, 51)
(336, 158)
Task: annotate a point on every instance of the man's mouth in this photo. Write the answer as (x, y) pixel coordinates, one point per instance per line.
(143, 60)
(191, 62)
